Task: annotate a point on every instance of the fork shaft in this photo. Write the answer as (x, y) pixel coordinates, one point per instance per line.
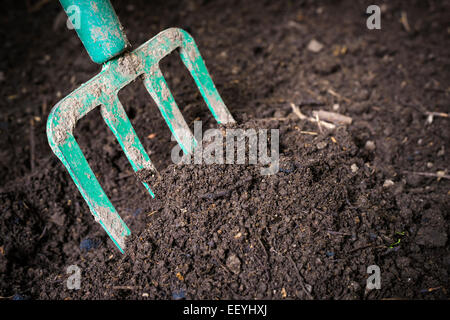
(98, 27)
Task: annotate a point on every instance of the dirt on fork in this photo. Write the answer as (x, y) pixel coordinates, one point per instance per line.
(373, 192)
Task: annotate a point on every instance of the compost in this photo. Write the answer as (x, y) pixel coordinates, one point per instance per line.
(373, 192)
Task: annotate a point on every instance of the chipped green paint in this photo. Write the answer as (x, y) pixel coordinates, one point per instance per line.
(101, 91)
(99, 28)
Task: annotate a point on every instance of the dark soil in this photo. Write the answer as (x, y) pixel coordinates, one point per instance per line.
(338, 204)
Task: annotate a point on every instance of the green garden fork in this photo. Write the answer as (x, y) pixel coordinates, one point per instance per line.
(102, 35)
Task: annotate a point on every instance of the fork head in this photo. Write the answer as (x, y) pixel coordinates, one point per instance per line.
(101, 91)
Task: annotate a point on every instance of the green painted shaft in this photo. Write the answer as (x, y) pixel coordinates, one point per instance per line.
(98, 27)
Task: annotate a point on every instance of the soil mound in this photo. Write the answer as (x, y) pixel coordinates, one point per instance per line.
(228, 232)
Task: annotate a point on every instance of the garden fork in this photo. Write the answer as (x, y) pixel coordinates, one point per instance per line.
(102, 35)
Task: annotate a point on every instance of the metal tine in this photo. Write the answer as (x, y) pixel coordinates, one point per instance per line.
(192, 59)
(104, 212)
(157, 87)
(117, 120)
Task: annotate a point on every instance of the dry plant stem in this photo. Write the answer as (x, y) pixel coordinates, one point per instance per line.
(311, 133)
(301, 116)
(318, 123)
(300, 278)
(429, 174)
(437, 114)
(124, 288)
(333, 117)
(404, 21)
(337, 95)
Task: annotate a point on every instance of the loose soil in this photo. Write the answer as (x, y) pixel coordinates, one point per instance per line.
(342, 200)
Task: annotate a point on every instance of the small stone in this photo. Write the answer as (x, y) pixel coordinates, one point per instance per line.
(354, 168)
(387, 183)
(145, 295)
(335, 106)
(429, 165)
(233, 263)
(370, 145)
(321, 145)
(315, 46)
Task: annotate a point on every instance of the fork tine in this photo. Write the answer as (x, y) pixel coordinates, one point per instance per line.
(157, 87)
(117, 120)
(192, 59)
(104, 212)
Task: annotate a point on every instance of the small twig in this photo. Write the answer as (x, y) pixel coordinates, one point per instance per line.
(318, 123)
(437, 114)
(297, 112)
(123, 288)
(431, 115)
(312, 133)
(337, 95)
(430, 174)
(301, 116)
(151, 213)
(300, 278)
(43, 233)
(263, 247)
(339, 233)
(271, 119)
(404, 21)
(333, 117)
